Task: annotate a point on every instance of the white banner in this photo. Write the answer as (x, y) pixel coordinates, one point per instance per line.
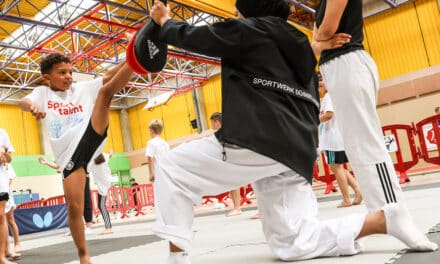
(429, 136)
(158, 100)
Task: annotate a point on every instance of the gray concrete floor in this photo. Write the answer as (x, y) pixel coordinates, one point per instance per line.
(235, 239)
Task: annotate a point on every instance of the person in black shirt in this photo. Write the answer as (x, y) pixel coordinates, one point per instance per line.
(352, 81)
(269, 134)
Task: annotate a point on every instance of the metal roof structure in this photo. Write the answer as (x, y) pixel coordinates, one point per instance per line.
(91, 32)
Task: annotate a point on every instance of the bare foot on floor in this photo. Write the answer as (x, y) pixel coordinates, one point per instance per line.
(233, 212)
(106, 231)
(17, 248)
(344, 204)
(256, 216)
(357, 199)
(13, 255)
(4, 260)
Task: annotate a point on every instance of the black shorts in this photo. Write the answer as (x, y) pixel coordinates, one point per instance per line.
(4, 196)
(87, 146)
(336, 157)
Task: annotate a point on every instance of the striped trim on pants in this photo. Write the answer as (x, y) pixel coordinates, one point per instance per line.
(104, 212)
(385, 181)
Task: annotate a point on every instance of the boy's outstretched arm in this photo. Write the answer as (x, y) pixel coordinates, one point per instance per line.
(28, 106)
(110, 73)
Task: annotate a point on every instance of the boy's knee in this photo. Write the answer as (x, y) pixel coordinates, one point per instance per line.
(75, 209)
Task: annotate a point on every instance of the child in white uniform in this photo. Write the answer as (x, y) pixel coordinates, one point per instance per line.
(156, 146)
(102, 176)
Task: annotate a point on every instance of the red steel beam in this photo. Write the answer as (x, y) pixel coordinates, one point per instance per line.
(64, 30)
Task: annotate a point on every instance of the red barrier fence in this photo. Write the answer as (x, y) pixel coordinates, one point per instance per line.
(401, 165)
(429, 137)
(328, 178)
(119, 199)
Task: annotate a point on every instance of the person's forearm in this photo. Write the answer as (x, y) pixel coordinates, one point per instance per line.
(53, 165)
(120, 79)
(25, 105)
(324, 34)
(150, 167)
(316, 47)
(109, 74)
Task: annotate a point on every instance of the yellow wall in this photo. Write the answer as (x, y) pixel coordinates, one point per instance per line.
(175, 115)
(22, 129)
(212, 97)
(429, 17)
(404, 39)
(114, 139)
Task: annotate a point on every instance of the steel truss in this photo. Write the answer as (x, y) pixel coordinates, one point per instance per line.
(92, 34)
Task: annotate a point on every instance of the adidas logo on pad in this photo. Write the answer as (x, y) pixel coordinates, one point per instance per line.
(152, 49)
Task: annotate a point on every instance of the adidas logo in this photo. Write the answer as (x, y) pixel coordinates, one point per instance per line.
(152, 49)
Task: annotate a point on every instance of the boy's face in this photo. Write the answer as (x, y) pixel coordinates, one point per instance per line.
(60, 78)
(322, 88)
(215, 124)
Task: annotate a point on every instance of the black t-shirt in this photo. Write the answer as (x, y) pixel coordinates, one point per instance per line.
(351, 23)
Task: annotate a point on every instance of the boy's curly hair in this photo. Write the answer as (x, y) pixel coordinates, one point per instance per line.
(47, 63)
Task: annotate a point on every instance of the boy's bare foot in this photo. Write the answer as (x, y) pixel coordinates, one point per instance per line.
(17, 248)
(255, 216)
(13, 255)
(233, 212)
(344, 204)
(4, 260)
(106, 231)
(357, 199)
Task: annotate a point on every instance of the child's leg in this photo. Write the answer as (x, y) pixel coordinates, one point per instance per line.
(3, 234)
(101, 110)
(88, 208)
(14, 229)
(341, 178)
(74, 192)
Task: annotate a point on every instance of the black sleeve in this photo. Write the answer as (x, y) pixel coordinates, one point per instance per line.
(222, 39)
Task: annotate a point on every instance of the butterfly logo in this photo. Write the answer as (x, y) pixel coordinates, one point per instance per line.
(42, 223)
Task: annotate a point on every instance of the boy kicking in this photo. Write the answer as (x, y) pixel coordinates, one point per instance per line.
(75, 118)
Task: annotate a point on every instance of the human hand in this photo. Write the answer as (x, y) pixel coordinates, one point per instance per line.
(337, 41)
(129, 35)
(3, 159)
(36, 112)
(160, 13)
(42, 160)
